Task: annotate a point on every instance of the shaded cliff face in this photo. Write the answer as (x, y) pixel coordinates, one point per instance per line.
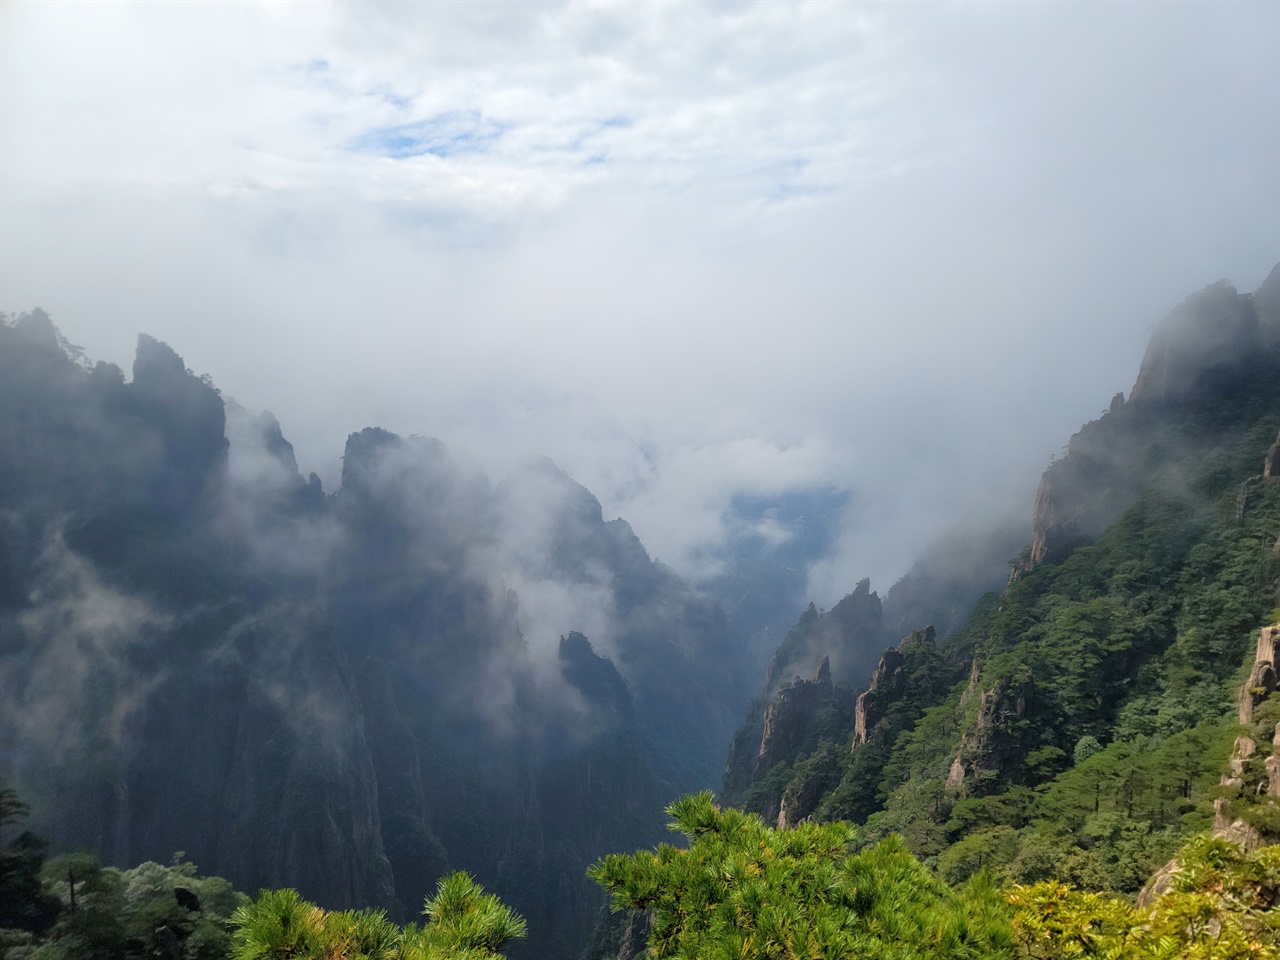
(344, 694)
(840, 644)
(849, 634)
(1217, 343)
(1216, 329)
(952, 574)
(160, 699)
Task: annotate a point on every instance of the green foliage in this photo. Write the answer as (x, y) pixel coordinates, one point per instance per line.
(463, 923)
(1222, 906)
(73, 908)
(1126, 657)
(744, 890)
(1088, 743)
(24, 903)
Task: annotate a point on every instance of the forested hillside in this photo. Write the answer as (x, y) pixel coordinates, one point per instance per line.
(340, 700)
(1078, 726)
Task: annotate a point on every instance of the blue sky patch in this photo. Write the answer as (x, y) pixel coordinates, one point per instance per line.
(452, 134)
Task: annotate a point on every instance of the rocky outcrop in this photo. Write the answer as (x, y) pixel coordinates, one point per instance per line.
(1216, 336)
(788, 720)
(888, 684)
(799, 800)
(1272, 765)
(1247, 773)
(1262, 676)
(1271, 464)
(848, 635)
(991, 749)
(1266, 301)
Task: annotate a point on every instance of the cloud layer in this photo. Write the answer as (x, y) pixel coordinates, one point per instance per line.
(689, 251)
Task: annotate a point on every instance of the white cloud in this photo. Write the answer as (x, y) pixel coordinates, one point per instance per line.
(685, 249)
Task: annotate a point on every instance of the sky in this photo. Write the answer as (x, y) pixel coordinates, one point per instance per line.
(693, 252)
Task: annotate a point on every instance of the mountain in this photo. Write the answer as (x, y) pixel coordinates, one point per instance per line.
(1089, 712)
(346, 693)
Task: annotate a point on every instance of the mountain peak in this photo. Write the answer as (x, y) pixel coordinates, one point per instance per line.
(1216, 327)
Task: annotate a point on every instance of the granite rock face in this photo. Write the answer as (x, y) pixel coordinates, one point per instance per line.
(847, 635)
(345, 694)
(789, 718)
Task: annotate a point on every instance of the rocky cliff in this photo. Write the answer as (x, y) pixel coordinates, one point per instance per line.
(345, 694)
(1217, 339)
(1075, 725)
(888, 685)
(842, 641)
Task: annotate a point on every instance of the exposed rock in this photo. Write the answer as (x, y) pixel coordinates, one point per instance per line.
(888, 684)
(975, 672)
(988, 750)
(1160, 883)
(848, 634)
(1262, 677)
(1243, 750)
(1236, 831)
(1053, 524)
(636, 938)
(1267, 640)
(1242, 774)
(1266, 301)
(1271, 464)
(789, 718)
(798, 802)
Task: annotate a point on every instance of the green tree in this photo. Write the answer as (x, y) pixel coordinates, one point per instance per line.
(1223, 906)
(744, 890)
(463, 923)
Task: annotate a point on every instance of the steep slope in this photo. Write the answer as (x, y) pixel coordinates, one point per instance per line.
(153, 696)
(1077, 724)
(346, 694)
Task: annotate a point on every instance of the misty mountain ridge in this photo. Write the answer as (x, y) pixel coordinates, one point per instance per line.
(352, 693)
(347, 693)
(1115, 694)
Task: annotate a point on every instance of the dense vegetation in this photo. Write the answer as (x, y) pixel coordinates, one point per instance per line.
(739, 890)
(743, 890)
(71, 907)
(463, 923)
(1077, 727)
